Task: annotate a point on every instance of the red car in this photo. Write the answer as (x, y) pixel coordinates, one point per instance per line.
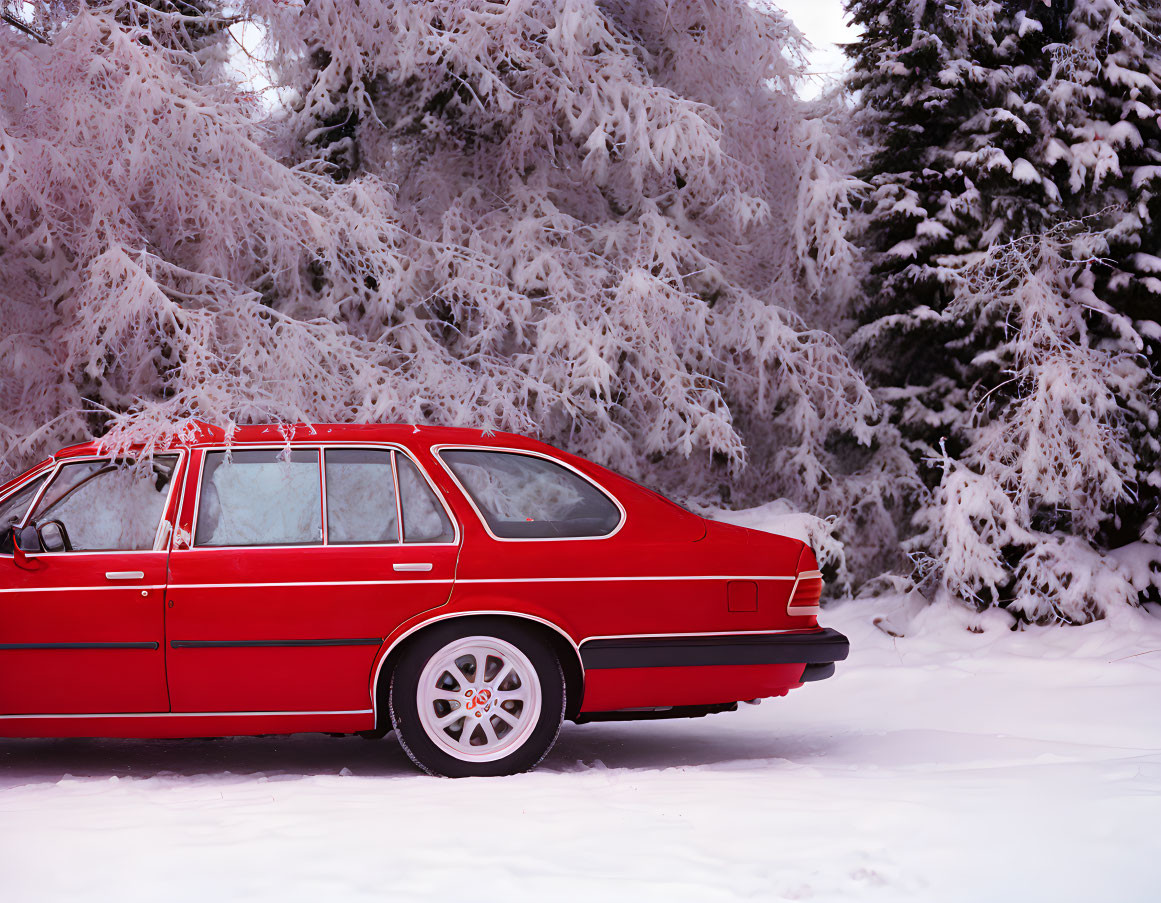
(470, 590)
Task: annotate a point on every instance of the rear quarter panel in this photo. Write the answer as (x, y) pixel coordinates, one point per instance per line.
(664, 571)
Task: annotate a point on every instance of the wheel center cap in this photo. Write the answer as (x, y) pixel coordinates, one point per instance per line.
(480, 699)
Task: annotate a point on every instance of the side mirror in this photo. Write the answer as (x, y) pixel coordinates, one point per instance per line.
(23, 542)
(27, 539)
(52, 537)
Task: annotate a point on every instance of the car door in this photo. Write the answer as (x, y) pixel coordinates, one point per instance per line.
(82, 628)
(289, 569)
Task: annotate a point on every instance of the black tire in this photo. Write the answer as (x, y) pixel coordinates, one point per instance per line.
(403, 698)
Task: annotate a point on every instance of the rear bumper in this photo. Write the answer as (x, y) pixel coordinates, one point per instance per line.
(817, 649)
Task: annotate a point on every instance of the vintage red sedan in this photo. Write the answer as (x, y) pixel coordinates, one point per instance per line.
(471, 590)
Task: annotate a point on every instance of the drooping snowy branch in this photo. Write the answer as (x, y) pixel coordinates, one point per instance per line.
(606, 223)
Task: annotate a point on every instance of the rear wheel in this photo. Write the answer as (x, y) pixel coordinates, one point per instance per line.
(477, 698)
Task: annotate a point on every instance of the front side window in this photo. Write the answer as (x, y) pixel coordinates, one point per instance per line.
(260, 497)
(525, 497)
(107, 505)
(12, 511)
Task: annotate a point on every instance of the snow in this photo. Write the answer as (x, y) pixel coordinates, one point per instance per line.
(944, 765)
(1023, 171)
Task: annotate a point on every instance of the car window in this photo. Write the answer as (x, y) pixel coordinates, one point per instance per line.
(108, 505)
(260, 497)
(360, 496)
(525, 497)
(424, 519)
(12, 511)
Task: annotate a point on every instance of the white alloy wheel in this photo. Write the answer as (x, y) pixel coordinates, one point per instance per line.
(479, 698)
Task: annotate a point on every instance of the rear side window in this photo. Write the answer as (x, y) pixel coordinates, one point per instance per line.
(260, 497)
(361, 499)
(108, 505)
(361, 504)
(12, 511)
(526, 497)
(424, 519)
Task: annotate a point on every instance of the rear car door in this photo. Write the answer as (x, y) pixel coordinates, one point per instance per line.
(289, 568)
(82, 628)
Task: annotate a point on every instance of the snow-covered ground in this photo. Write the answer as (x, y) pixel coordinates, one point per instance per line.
(946, 765)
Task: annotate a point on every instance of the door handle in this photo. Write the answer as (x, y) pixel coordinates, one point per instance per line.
(124, 575)
(413, 566)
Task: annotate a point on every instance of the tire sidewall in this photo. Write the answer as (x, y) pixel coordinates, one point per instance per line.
(404, 706)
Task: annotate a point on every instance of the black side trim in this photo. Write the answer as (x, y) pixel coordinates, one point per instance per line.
(240, 644)
(677, 711)
(10, 646)
(820, 647)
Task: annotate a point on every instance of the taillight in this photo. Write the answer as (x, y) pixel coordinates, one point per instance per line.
(804, 598)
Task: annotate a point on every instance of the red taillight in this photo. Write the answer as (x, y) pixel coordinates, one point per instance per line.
(807, 591)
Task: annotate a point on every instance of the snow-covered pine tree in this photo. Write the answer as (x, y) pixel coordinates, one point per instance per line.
(1022, 516)
(1104, 96)
(1032, 380)
(599, 222)
(941, 106)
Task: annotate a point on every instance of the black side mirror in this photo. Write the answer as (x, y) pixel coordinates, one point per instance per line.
(27, 539)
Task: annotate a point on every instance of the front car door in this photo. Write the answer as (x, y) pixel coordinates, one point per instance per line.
(291, 566)
(82, 628)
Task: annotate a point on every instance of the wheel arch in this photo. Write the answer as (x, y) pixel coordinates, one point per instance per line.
(566, 650)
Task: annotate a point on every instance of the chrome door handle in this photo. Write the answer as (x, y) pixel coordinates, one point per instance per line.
(124, 575)
(413, 566)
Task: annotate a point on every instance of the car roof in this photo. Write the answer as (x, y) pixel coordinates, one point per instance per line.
(197, 434)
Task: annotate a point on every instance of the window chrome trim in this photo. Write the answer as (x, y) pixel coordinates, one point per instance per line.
(318, 463)
(59, 465)
(31, 475)
(437, 453)
(326, 504)
(322, 488)
(398, 497)
(321, 447)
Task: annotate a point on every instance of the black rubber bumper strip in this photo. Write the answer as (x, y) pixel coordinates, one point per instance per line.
(244, 644)
(816, 648)
(819, 671)
(13, 646)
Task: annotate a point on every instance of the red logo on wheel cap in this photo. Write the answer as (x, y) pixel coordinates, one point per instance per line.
(481, 699)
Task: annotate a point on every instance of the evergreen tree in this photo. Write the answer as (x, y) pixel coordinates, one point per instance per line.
(941, 104)
(992, 125)
(1104, 97)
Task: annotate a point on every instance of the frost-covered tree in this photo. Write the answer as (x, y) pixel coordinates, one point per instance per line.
(609, 223)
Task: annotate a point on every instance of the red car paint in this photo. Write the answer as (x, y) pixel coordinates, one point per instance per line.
(228, 641)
